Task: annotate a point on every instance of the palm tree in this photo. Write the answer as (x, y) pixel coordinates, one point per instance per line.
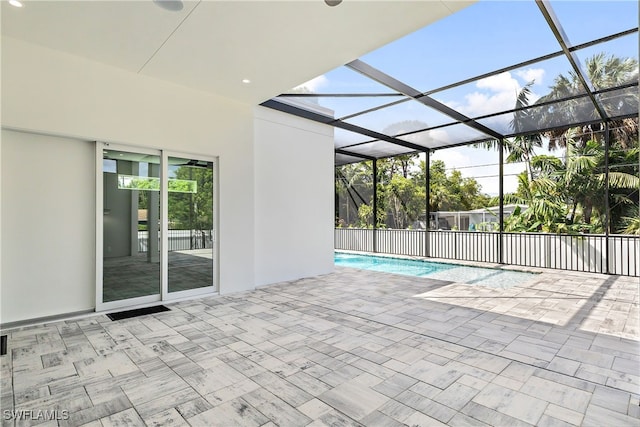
(604, 71)
(582, 175)
(631, 225)
(521, 148)
(545, 208)
(581, 179)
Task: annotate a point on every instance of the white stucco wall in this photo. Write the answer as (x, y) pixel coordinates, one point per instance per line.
(48, 216)
(275, 177)
(294, 172)
(49, 92)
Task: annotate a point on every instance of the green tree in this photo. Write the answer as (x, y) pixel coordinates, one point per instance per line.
(568, 195)
(452, 192)
(544, 209)
(585, 180)
(354, 187)
(575, 187)
(192, 211)
(631, 225)
(406, 201)
(401, 192)
(398, 196)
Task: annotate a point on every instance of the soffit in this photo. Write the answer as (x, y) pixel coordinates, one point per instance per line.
(212, 45)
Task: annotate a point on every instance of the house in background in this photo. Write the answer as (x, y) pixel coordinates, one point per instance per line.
(486, 219)
(85, 81)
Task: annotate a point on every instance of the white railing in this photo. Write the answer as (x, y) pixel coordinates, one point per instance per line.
(588, 252)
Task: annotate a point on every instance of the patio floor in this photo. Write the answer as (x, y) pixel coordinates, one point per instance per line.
(349, 348)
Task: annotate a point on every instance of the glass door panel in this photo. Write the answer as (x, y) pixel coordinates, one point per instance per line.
(131, 221)
(190, 235)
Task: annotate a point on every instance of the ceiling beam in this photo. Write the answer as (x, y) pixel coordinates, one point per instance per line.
(349, 153)
(387, 80)
(320, 118)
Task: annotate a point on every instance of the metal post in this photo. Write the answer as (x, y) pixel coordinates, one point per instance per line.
(607, 213)
(427, 212)
(501, 197)
(336, 198)
(375, 205)
(191, 215)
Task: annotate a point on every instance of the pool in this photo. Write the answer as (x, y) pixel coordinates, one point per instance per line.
(490, 277)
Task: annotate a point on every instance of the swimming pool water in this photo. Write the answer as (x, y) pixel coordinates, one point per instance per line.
(390, 265)
(490, 277)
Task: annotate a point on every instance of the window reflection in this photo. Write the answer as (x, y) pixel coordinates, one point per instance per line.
(131, 227)
(191, 232)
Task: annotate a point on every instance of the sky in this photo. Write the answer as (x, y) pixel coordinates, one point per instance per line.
(482, 38)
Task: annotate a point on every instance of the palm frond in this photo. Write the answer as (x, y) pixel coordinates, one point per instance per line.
(620, 180)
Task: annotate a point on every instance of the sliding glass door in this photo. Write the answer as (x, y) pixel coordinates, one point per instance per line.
(190, 234)
(156, 230)
(131, 217)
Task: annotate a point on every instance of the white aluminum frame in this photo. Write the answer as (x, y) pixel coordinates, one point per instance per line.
(164, 294)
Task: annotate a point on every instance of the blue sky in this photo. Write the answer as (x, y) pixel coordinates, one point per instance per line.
(482, 38)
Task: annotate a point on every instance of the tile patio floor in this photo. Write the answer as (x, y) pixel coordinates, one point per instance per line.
(349, 348)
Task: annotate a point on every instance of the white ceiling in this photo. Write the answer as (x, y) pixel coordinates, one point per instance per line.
(212, 45)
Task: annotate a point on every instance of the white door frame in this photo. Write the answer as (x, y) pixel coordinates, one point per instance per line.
(164, 218)
(164, 294)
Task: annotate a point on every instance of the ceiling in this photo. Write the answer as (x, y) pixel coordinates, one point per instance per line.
(212, 46)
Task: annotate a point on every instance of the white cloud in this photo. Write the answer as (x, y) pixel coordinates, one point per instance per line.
(498, 93)
(314, 84)
(499, 82)
(479, 104)
(535, 74)
(452, 158)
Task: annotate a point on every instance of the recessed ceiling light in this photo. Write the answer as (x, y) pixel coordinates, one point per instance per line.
(246, 81)
(15, 3)
(172, 5)
(332, 2)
